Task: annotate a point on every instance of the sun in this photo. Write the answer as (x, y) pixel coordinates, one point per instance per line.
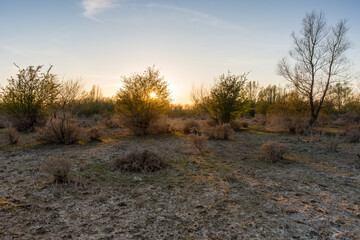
(152, 95)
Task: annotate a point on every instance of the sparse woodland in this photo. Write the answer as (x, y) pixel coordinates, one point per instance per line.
(244, 161)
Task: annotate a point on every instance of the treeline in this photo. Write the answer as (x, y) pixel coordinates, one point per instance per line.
(34, 95)
(341, 99)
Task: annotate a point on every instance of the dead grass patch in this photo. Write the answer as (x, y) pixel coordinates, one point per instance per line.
(191, 126)
(12, 135)
(57, 167)
(273, 151)
(353, 136)
(220, 132)
(144, 161)
(160, 126)
(95, 133)
(199, 142)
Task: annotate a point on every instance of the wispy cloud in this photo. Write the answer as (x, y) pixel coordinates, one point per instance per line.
(199, 16)
(94, 7)
(26, 52)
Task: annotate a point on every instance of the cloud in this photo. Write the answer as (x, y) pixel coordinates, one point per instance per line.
(200, 16)
(94, 7)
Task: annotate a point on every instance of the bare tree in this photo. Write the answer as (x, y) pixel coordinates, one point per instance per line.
(320, 61)
(70, 91)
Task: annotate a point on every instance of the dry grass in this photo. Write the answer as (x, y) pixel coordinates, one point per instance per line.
(191, 126)
(353, 136)
(144, 161)
(199, 142)
(59, 131)
(160, 126)
(95, 133)
(210, 122)
(12, 135)
(220, 132)
(111, 122)
(238, 126)
(286, 122)
(273, 151)
(332, 145)
(57, 167)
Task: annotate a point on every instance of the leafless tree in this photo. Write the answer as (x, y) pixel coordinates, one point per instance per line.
(319, 60)
(70, 91)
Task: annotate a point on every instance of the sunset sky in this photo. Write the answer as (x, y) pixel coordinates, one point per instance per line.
(190, 41)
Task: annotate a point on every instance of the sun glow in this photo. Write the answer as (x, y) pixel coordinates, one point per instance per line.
(152, 95)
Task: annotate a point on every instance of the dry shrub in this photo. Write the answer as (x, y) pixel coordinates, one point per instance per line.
(199, 142)
(191, 126)
(84, 124)
(111, 122)
(12, 135)
(220, 132)
(211, 122)
(236, 126)
(3, 122)
(273, 151)
(287, 122)
(332, 145)
(57, 167)
(95, 133)
(59, 131)
(259, 119)
(160, 126)
(353, 136)
(144, 161)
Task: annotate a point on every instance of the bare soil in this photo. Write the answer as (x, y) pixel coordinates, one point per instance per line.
(227, 193)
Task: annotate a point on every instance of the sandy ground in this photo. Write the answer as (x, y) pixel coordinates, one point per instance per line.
(226, 193)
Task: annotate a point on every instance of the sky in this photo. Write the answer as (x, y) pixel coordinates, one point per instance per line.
(191, 42)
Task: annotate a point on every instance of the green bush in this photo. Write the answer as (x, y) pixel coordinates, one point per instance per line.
(29, 96)
(143, 99)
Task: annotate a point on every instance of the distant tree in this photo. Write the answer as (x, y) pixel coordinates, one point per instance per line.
(319, 56)
(93, 102)
(29, 96)
(142, 99)
(252, 90)
(226, 100)
(341, 94)
(69, 94)
(267, 97)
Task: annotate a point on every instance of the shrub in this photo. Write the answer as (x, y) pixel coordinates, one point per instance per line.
(245, 124)
(220, 132)
(29, 96)
(144, 161)
(59, 131)
(226, 100)
(95, 133)
(57, 167)
(160, 126)
(111, 122)
(211, 122)
(12, 135)
(191, 126)
(287, 122)
(3, 120)
(353, 136)
(142, 100)
(236, 126)
(332, 145)
(198, 142)
(273, 151)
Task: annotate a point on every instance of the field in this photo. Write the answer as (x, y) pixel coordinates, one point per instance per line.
(228, 192)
